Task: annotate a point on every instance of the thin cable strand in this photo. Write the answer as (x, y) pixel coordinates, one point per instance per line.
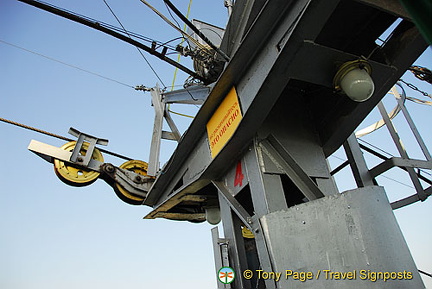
(174, 26)
(67, 64)
(57, 136)
(139, 50)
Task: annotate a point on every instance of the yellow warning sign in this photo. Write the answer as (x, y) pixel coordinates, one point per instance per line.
(224, 122)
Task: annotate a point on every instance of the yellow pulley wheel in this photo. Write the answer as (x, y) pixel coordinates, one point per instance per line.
(247, 233)
(76, 176)
(138, 167)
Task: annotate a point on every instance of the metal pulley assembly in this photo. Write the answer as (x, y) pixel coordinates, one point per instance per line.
(74, 175)
(138, 167)
(79, 163)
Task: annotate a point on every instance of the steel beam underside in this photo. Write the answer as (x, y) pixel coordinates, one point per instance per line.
(272, 53)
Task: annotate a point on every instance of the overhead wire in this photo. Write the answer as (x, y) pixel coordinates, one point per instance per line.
(139, 50)
(57, 136)
(122, 36)
(375, 147)
(163, 44)
(383, 176)
(178, 60)
(196, 42)
(173, 18)
(184, 29)
(385, 152)
(109, 26)
(197, 31)
(396, 181)
(169, 41)
(346, 163)
(66, 64)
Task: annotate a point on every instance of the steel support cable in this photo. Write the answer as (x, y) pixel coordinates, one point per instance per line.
(383, 151)
(106, 25)
(97, 26)
(169, 41)
(67, 64)
(58, 136)
(178, 57)
(196, 42)
(377, 154)
(140, 52)
(196, 30)
(346, 163)
(173, 18)
(175, 71)
(139, 36)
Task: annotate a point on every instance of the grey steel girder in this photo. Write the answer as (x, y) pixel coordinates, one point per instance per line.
(270, 54)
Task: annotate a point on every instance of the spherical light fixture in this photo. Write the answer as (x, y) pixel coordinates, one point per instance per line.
(213, 215)
(353, 79)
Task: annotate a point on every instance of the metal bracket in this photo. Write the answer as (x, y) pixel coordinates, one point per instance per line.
(192, 95)
(158, 134)
(132, 182)
(276, 152)
(49, 153)
(241, 212)
(92, 141)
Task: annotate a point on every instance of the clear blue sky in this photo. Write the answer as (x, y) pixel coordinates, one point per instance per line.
(57, 236)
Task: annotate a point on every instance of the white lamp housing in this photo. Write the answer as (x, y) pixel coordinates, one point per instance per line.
(213, 215)
(353, 79)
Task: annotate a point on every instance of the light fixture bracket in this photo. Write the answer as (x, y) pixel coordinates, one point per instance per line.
(352, 76)
(347, 67)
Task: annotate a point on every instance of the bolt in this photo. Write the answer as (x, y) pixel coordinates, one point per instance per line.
(303, 222)
(80, 159)
(138, 179)
(349, 207)
(249, 220)
(110, 168)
